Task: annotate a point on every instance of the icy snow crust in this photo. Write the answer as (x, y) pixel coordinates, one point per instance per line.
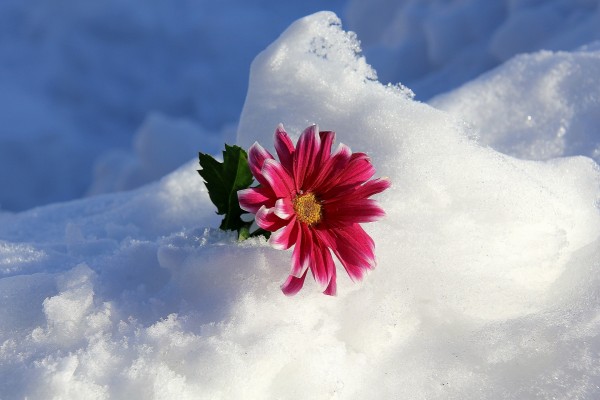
(486, 287)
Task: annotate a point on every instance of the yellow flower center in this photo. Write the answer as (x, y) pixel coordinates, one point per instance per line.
(307, 208)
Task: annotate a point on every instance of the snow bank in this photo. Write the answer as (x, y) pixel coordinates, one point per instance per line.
(486, 285)
(159, 146)
(535, 106)
(435, 46)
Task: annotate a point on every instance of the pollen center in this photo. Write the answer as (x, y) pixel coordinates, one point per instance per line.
(307, 208)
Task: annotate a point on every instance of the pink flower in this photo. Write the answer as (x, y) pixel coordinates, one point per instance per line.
(314, 200)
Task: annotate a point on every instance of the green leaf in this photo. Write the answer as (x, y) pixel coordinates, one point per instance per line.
(223, 180)
(244, 233)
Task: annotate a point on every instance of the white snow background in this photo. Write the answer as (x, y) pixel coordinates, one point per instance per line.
(487, 285)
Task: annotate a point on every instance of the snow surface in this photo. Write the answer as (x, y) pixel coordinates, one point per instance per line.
(434, 46)
(537, 106)
(487, 279)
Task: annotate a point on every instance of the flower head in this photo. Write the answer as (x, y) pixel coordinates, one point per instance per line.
(315, 200)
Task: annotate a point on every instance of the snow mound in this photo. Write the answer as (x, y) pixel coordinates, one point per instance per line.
(434, 46)
(536, 106)
(160, 146)
(486, 285)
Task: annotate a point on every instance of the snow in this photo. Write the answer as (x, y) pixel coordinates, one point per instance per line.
(434, 46)
(487, 277)
(556, 117)
(159, 138)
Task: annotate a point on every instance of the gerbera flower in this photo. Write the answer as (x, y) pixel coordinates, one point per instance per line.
(314, 200)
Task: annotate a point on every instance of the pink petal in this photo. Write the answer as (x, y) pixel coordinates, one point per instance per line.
(372, 187)
(256, 158)
(266, 219)
(358, 170)
(253, 198)
(354, 248)
(285, 149)
(354, 270)
(327, 240)
(327, 173)
(286, 237)
(327, 139)
(304, 156)
(320, 162)
(343, 213)
(323, 267)
(284, 208)
(331, 289)
(277, 178)
(349, 193)
(302, 256)
(292, 285)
